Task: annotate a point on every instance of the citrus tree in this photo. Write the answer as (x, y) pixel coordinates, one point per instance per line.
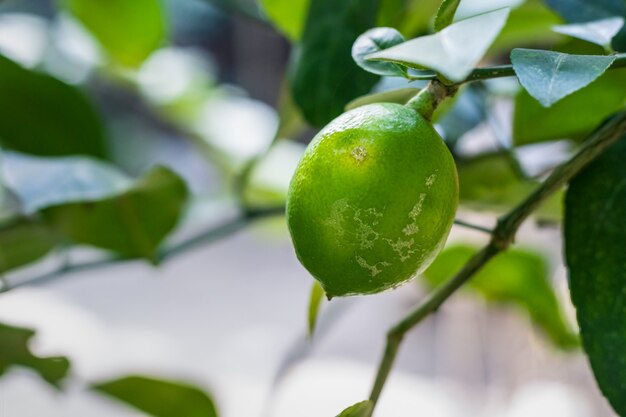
(391, 87)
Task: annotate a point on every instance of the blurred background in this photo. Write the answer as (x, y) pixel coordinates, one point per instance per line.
(203, 88)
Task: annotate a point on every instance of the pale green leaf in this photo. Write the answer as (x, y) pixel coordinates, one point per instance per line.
(315, 300)
(288, 16)
(550, 76)
(600, 32)
(452, 52)
(362, 409)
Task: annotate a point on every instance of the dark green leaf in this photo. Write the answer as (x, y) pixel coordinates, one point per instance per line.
(22, 242)
(362, 409)
(467, 111)
(317, 295)
(574, 116)
(454, 51)
(288, 15)
(132, 223)
(516, 277)
(128, 30)
(595, 239)
(159, 398)
(375, 40)
(445, 14)
(549, 76)
(400, 96)
(43, 182)
(600, 32)
(580, 11)
(14, 351)
(44, 116)
(324, 76)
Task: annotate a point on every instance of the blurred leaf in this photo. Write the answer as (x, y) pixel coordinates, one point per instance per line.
(465, 113)
(445, 14)
(159, 398)
(14, 351)
(362, 409)
(410, 17)
(600, 32)
(128, 30)
(454, 51)
(516, 277)
(375, 40)
(581, 11)
(574, 116)
(528, 24)
(44, 116)
(315, 300)
(288, 15)
(549, 76)
(399, 96)
(324, 77)
(43, 182)
(22, 242)
(595, 238)
(488, 182)
(132, 223)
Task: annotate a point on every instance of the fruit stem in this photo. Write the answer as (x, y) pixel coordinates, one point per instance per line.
(429, 98)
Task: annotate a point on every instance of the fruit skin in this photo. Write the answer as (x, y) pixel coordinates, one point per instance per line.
(372, 200)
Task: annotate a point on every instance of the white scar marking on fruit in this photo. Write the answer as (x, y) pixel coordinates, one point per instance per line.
(365, 234)
(402, 248)
(431, 180)
(373, 269)
(412, 228)
(336, 215)
(359, 154)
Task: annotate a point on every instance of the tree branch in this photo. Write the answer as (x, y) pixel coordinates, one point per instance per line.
(499, 71)
(501, 238)
(206, 237)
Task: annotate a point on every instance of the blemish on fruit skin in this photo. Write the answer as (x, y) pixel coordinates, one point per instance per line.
(402, 247)
(359, 154)
(373, 269)
(336, 215)
(431, 180)
(358, 222)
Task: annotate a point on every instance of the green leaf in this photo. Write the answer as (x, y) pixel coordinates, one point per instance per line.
(516, 277)
(595, 238)
(362, 409)
(410, 17)
(528, 24)
(400, 96)
(14, 351)
(573, 117)
(550, 76)
(159, 398)
(375, 40)
(324, 76)
(580, 11)
(315, 300)
(288, 16)
(466, 112)
(445, 14)
(128, 30)
(600, 32)
(22, 242)
(132, 223)
(44, 116)
(454, 51)
(43, 182)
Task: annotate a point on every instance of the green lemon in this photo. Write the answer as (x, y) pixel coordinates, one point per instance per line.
(372, 200)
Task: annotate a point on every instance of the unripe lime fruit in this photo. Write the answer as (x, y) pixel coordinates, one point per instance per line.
(372, 200)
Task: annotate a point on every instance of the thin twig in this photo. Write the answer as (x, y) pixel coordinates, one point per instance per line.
(498, 71)
(502, 237)
(472, 226)
(203, 238)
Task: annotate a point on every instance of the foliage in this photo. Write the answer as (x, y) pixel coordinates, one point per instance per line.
(64, 183)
